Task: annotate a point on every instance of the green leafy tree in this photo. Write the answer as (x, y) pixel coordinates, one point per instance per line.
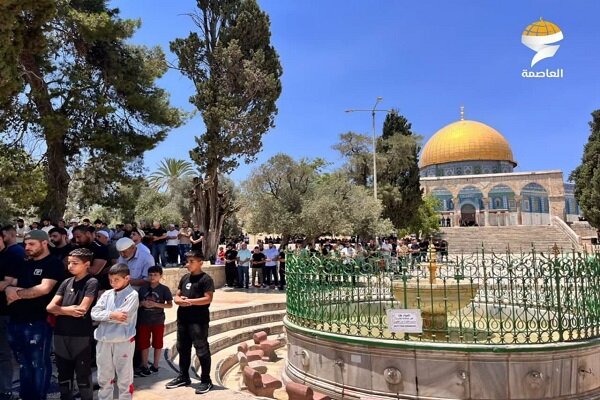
(587, 175)
(291, 197)
(22, 183)
(398, 176)
(236, 74)
(427, 218)
(156, 206)
(170, 171)
(338, 206)
(274, 192)
(356, 149)
(69, 79)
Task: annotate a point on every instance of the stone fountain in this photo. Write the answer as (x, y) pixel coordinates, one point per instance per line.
(435, 298)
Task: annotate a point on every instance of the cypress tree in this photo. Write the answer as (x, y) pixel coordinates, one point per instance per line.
(587, 175)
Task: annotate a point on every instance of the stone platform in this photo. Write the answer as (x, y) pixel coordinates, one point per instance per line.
(227, 328)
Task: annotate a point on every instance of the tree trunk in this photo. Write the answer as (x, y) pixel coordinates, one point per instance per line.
(210, 208)
(54, 125)
(58, 179)
(285, 240)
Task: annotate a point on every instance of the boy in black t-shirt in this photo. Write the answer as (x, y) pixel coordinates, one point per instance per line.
(72, 333)
(154, 298)
(194, 295)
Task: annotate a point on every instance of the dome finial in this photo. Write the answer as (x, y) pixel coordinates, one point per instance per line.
(462, 113)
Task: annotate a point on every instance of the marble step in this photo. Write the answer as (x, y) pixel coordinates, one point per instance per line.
(229, 315)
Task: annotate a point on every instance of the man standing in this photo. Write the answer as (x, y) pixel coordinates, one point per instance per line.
(62, 248)
(72, 224)
(159, 244)
(185, 241)
(137, 235)
(244, 258)
(137, 261)
(172, 245)
(30, 335)
(84, 237)
(258, 262)
(9, 234)
(22, 230)
(230, 265)
(270, 273)
(46, 224)
(9, 262)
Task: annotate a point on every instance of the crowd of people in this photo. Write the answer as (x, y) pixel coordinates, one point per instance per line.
(93, 295)
(82, 288)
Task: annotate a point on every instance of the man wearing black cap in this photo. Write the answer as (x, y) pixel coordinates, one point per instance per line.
(30, 334)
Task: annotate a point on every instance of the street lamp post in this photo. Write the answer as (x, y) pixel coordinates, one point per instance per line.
(373, 111)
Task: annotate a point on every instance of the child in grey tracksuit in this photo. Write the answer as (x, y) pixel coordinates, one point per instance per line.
(116, 311)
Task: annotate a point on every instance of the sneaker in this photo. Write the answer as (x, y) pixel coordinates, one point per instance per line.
(144, 371)
(153, 369)
(177, 382)
(204, 388)
(137, 372)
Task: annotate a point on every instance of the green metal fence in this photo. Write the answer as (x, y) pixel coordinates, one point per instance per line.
(482, 298)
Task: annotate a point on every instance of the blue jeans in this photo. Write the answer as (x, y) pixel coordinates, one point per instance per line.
(159, 250)
(5, 357)
(31, 343)
(243, 276)
(183, 248)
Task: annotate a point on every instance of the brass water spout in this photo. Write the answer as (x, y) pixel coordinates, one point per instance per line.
(432, 262)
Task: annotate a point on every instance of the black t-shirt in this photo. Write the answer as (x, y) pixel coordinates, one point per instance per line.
(194, 287)
(230, 256)
(10, 263)
(158, 233)
(61, 252)
(161, 295)
(197, 235)
(282, 260)
(72, 293)
(258, 260)
(30, 275)
(101, 253)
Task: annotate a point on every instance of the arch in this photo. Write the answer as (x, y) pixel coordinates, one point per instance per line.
(445, 198)
(502, 197)
(471, 194)
(467, 214)
(535, 204)
(470, 201)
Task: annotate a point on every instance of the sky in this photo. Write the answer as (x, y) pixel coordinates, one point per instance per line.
(424, 58)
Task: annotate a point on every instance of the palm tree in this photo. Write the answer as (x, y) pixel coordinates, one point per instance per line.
(169, 172)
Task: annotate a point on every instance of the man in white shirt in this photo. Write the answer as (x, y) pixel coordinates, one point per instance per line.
(347, 253)
(22, 230)
(172, 245)
(270, 273)
(244, 258)
(47, 224)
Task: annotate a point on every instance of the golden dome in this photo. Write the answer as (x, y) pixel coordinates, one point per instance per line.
(466, 140)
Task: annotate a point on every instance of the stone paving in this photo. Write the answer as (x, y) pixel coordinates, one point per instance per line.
(153, 386)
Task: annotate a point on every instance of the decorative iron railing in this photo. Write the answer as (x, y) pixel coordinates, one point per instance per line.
(483, 298)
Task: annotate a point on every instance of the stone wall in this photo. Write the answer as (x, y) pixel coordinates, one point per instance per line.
(342, 368)
(171, 276)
